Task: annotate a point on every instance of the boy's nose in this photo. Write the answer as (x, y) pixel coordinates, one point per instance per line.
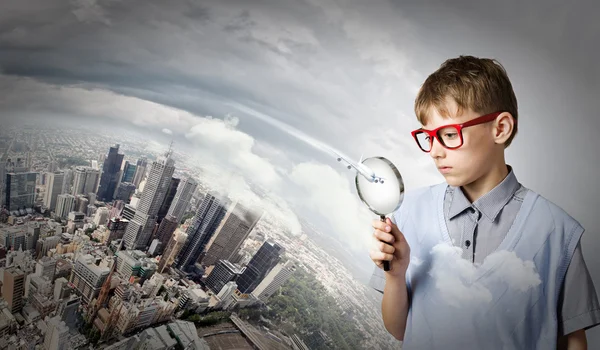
(437, 150)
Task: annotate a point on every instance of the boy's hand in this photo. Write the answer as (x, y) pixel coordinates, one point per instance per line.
(397, 252)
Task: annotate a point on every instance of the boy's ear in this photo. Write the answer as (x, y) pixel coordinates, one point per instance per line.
(503, 127)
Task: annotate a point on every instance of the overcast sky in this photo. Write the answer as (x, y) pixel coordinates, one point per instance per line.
(345, 73)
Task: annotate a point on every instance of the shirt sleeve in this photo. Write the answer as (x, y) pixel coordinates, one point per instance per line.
(578, 306)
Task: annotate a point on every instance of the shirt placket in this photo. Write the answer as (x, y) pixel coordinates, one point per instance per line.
(469, 236)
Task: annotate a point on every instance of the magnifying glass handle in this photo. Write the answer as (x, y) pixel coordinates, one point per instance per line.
(386, 264)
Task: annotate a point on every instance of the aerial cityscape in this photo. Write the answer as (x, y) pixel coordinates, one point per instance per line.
(107, 244)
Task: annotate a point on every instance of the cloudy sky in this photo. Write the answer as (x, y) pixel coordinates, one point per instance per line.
(344, 73)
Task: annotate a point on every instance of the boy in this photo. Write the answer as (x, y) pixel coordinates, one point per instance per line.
(479, 261)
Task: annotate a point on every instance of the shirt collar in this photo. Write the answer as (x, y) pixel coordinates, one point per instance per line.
(489, 204)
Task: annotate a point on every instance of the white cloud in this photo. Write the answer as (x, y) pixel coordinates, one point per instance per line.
(167, 131)
(455, 276)
(89, 11)
(236, 187)
(26, 94)
(327, 194)
(518, 274)
(233, 147)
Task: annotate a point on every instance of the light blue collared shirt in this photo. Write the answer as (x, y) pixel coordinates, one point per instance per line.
(480, 227)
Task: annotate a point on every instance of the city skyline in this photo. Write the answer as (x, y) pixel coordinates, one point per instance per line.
(83, 215)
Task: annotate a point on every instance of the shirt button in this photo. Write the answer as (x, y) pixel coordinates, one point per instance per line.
(467, 243)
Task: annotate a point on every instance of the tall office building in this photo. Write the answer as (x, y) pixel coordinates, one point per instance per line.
(165, 231)
(223, 273)
(65, 203)
(184, 194)
(101, 217)
(110, 174)
(20, 190)
(204, 224)
(128, 172)
(2, 179)
(166, 204)
(46, 266)
(88, 277)
(140, 171)
(117, 227)
(259, 266)
(54, 183)
(13, 288)
(125, 191)
(85, 180)
(172, 250)
(139, 230)
(57, 334)
(67, 181)
(234, 230)
(83, 204)
(273, 280)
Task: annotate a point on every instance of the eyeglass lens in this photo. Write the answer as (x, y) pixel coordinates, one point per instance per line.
(449, 137)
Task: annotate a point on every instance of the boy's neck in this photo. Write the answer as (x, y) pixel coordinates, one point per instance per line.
(485, 184)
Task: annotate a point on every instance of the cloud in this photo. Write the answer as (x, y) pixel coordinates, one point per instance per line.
(89, 11)
(236, 188)
(455, 276)
(329, 195)
(234, 148)
(34, 97)
(167, 131)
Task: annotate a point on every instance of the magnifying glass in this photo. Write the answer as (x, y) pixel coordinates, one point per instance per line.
(382, 191)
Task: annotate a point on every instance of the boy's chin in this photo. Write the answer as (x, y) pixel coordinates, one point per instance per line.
(454, 181)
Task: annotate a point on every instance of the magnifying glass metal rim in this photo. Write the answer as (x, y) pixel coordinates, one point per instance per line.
(386, 264)
(398, 176)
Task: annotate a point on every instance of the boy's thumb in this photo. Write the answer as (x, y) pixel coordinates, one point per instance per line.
(389, 221)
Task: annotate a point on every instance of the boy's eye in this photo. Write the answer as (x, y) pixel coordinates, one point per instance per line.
(450, 135)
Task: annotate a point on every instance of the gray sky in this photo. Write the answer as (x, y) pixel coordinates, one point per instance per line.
(343, 72)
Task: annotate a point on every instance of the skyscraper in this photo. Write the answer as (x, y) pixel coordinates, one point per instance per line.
(88, 277)
(259, 266)
(20, 190)
(182, 197)
(139, 230)
(165, 231)
(223, 273)
(2, 179)
(67, 180)
(65, 203)
(110, 174)
(13, 289)
(273, 280)
(57, 334)
(85, 180)
(125, 191)
(236, 226)
(166, 204)
(172, 250)
(128, 172)
(204, 224)
(140, 171)
(54, 185)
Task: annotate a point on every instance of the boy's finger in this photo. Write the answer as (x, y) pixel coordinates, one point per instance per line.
(382, 226)
(394, 230)
(384, 236)
(386, 248)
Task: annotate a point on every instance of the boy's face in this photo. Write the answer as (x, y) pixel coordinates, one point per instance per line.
(473, 159)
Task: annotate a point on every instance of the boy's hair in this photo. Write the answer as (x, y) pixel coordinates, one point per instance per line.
(479, 84)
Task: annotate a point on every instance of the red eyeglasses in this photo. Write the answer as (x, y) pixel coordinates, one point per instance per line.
(449, 136)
